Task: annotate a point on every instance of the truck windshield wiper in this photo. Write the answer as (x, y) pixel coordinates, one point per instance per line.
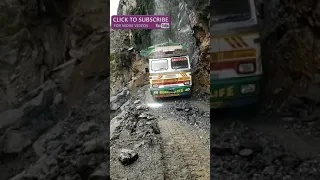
(179, 67)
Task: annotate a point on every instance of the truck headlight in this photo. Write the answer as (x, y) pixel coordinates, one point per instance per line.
(155, 92)
(186, 83)
(246, 68)
(248, 88)
(187, 89)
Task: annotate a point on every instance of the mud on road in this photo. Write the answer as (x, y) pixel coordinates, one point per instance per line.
(161, 139)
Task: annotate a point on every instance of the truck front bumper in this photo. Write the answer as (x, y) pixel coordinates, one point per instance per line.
(170, 91)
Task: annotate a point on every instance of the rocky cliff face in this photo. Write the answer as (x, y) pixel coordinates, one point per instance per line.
(190, 25)
(49, 40)
(291, 46)
(52, 53)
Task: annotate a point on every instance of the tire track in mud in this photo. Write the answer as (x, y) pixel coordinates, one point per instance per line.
(186, 151)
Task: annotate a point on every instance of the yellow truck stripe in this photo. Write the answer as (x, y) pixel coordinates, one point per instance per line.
(230, 42)
(232, 55)
(170, 80)
(183, 74)
(234, 39)
(243, 41)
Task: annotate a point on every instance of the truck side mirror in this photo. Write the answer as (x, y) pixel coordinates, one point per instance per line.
(147, 70)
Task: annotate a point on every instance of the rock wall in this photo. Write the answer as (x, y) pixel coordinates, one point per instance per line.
(290, 47)
(189, 26)
(45, 40)
(52, 53)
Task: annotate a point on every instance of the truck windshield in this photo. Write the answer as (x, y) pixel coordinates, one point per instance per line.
(230, 10)
(179, 63)
(159, 65)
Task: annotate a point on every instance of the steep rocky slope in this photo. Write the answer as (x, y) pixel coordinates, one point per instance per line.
(45, 41)
(52, 54)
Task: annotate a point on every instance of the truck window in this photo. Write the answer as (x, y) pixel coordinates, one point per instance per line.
(158, 65)
(179, 63)
(230, 10)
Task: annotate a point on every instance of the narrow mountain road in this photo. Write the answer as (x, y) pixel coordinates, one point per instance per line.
(170, 138)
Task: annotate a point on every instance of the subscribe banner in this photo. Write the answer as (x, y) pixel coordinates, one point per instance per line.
(140, 22)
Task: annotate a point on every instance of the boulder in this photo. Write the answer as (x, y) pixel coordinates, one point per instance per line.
(127, 156)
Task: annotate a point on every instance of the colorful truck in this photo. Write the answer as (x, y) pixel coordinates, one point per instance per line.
(235, 65)
(170, 70)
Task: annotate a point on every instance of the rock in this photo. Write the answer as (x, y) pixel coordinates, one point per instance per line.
(141, 107)
(179, 108)
(139, 145)
(187, 110)
(117, 101)
(137, 102)
(62, 73)
(76, 54)
(101, 173)
(93, 146)
(220, 150)
(143, 115)
(58, 99)
(10, 117)
(39, 146)
(16, 142)
(155, 128)
(87, 127)
(150, 117)
(40, 102)
(126, 106)
(287, 177)
(246, 152)
(277, 91)
(127, 156)
(269, 170)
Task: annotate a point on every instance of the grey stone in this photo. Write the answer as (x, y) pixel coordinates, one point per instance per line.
(246, 152)
(58, 99)
(87, 127)
(93, 146)
(127, 156)
(269, 170)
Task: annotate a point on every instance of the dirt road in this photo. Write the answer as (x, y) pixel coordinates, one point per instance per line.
(170, 138)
